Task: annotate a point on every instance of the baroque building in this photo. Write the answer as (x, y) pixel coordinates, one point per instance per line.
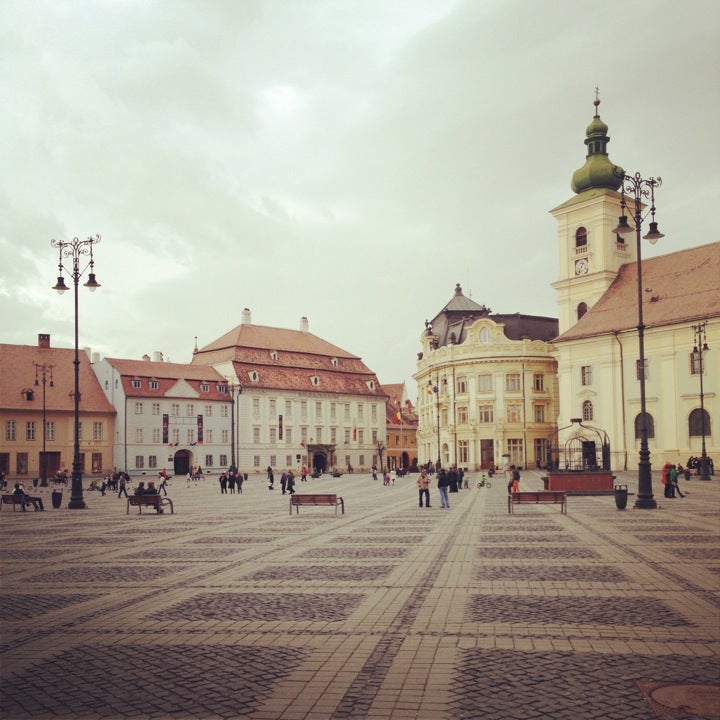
(401, 427)
(37, 412)
(597, 350)
(487, 387)
(299, 399)
(169, 415)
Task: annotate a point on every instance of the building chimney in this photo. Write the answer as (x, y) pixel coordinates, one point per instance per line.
(146, 357)
(157, 356)
(304, 325)
(95, 357)
(246, 317)
(88, 352)
(43, 340)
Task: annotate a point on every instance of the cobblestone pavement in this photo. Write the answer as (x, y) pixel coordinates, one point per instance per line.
(233, 608)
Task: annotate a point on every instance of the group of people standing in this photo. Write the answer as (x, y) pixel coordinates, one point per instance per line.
(231, 480)
(669, 478)
(449, 480)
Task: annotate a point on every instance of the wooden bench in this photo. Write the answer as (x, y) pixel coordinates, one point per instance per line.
(154, 501)
(537, 497)
(15, 500)
(316, 499)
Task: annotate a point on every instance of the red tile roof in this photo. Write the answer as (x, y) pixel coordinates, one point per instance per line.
(269, 338)
(167, 375)
(290, 360)
(680, 287)
(17, 372)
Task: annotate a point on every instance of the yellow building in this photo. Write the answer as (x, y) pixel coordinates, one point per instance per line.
(38, 382)
(598, 349)
(487, 387)
(401, 428)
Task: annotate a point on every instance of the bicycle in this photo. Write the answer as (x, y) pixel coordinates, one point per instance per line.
(484, 483)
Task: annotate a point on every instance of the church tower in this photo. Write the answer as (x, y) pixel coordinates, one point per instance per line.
(590, 253)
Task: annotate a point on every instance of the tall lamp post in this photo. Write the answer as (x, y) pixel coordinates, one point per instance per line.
(42, 370)
(436, 389)
(235, 392)
(74, 250)
(636, 189)
(700, 347)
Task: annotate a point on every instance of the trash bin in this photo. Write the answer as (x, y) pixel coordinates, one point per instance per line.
(56, 498)
(621, 493)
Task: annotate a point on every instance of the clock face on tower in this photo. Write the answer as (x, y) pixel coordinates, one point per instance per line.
(581, 266)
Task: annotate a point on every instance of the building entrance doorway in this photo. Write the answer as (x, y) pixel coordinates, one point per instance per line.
(181, 462)
(53, 464)
(487, 453)
(319, 462)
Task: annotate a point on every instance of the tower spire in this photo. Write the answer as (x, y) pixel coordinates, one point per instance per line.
(598, 171)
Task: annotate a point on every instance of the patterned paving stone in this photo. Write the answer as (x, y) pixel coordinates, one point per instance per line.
(535, 552)
(322, 573)
(265, 606)
(373, 539)
(175, 553)
(357, 553)
(531, 526)
(553, 573)
(507, 685)
(124, 681)
(232, 540)
(645, 611)
(525, 538)
(21, 607)
(678, 539)
(104, 574)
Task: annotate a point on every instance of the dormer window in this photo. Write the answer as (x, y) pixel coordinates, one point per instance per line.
(136, 384)
(204, 387)
(254, 377)
(334, 362)
(154, 385)
(273, 355)
(314, 380)
(370, 384)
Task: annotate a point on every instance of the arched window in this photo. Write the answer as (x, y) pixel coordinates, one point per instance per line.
(650, 426)
(582, 308)
(587, 410)
(581, 237)
(485, 336)
(696, 426)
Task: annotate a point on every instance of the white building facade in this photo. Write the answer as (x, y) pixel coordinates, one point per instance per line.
(299, 400)
(598, 350)
(169, 415)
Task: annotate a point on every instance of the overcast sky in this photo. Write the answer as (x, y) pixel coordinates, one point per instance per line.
(345, 161)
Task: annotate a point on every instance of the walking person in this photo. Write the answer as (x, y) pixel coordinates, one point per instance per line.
(423, 483)
(122, 483)
(290, 481)
(443, 484)
(283, 482)
(163, 484)
(223, 484)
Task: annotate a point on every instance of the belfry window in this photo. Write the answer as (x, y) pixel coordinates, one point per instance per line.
(580, 237)
(582, 308)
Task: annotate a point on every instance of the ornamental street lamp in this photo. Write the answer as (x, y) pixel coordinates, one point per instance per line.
(42, 370)
(75, 249)
(637, 188)
(436, 389)
(235, 392)
(700, 347)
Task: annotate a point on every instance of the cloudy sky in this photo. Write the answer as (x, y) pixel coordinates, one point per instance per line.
(345, 161)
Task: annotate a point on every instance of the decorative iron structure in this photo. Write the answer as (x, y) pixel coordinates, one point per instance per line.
(578, 447)
(636, 189)
(699, 348)
(75, 250)
(45, 372)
